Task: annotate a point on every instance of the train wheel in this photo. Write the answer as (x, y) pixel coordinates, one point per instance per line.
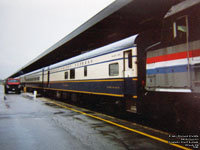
(120, 108)
(74, 98)
(58, 94)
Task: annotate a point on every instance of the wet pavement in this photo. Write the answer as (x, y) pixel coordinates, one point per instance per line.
(35, 124)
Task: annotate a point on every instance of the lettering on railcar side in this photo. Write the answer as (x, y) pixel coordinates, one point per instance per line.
(113, 87)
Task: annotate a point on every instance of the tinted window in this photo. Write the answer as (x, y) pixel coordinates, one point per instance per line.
(114, 69)
(130, 60)
(32, 79)
(13, 81)
(180, 30)
(72, 74)
(174, 32)
(85, 71)
(66, 75)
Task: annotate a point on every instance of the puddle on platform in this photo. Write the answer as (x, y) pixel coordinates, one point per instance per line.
(95, 126)
(107, 133)
(53, 105)
(59, 112)
(79, 119)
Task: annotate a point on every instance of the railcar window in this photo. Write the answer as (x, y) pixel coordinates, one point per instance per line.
(32, 79)
(13, 81)
(48, 77)
(72, 74)
(180, 30)
(114, 69)
(130, 60)
(85, 71)
(66, 75)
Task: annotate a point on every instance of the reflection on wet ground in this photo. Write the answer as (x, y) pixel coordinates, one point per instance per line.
(50, 104)
(36, 124)
(59, 112)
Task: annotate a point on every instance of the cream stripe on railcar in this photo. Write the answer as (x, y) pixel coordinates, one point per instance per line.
(97, 69)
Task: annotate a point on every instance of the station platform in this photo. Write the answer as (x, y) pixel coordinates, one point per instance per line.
(28, 123)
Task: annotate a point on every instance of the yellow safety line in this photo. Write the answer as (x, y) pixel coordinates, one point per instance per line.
(121, 126)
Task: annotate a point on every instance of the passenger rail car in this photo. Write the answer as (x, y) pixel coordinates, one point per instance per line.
(108, 71)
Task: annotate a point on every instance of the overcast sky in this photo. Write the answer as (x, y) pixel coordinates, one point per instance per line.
(29, 27)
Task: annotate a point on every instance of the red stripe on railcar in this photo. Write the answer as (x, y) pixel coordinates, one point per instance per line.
(174, 56)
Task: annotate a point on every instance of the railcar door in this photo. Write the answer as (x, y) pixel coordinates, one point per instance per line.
(45, 77)
(42, 78)
(48, 78)
(130, 70)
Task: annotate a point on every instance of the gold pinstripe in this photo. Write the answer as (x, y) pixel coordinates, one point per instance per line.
(104, 80)
(96, 93)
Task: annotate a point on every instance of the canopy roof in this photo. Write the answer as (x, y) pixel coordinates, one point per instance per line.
(121, 19)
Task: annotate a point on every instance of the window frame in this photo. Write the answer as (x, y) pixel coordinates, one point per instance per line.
(130, 61)
(66, 75)
(85, 71)
(72, 74)
(180, 30)
(110, 72)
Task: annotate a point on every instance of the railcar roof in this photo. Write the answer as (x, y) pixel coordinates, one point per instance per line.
(122, 44)
(35, 71)
(181, 6)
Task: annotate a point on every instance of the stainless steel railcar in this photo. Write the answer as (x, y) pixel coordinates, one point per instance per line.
(173, 66)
